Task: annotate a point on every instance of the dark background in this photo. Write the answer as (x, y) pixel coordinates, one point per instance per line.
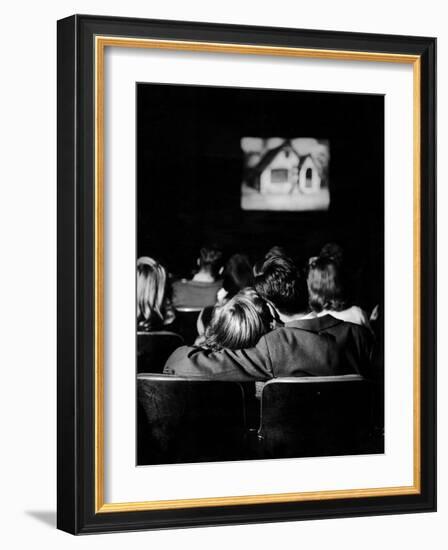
(189, 173)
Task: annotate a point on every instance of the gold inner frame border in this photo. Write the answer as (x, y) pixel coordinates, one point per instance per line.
(100, 44)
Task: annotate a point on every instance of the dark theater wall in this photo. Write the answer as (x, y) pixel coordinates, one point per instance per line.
(189, 172)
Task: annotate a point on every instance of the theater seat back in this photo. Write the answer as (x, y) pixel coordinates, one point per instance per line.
(317, 416)
(186, 319)
(189, 420)
(154, 348)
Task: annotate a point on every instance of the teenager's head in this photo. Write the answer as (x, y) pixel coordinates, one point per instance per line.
(333, 251)
(326, 287)
(275, 251)
(240, 322)
(210, 260)
(279, 281)
(151, 290)
(271, 253)
(237, 274)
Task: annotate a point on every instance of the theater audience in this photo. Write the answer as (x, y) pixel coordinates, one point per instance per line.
(201, 290)
(281, 352)
(236, 324)
(283, 286)
(154, 308)
(318, 346)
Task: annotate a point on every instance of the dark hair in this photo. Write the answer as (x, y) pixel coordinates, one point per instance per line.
(333, 251)
(326, 288)
(237, 274)
(210, 259)
(239, 323)
(280, 282)
(275, 251)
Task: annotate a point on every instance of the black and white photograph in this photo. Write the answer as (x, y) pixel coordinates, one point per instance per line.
(259, 274)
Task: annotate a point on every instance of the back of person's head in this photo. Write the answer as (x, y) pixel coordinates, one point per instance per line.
(237, 274)
(275, 251)
(210, 260)
(326, 285)
(279, 281)
(240, 322)
(151, 290)
(333, 251)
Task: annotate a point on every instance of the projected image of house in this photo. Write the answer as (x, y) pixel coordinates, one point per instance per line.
(285, 174)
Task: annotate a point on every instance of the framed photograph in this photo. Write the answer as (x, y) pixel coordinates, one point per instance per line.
(246, 274)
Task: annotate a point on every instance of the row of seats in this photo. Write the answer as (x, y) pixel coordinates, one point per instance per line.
(200, 420)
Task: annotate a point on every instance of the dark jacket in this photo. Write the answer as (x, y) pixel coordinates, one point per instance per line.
(322, 346)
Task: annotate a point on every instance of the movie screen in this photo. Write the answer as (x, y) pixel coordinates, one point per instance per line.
(285, 174)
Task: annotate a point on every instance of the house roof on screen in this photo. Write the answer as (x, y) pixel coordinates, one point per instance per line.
(270, 155)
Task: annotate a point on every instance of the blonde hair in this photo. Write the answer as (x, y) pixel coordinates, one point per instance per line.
(240, 322)
(152, 303)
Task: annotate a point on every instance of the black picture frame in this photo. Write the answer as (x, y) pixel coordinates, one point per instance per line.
(76, 476)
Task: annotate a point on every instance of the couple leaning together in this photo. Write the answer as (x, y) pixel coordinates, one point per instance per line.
(268, 331)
